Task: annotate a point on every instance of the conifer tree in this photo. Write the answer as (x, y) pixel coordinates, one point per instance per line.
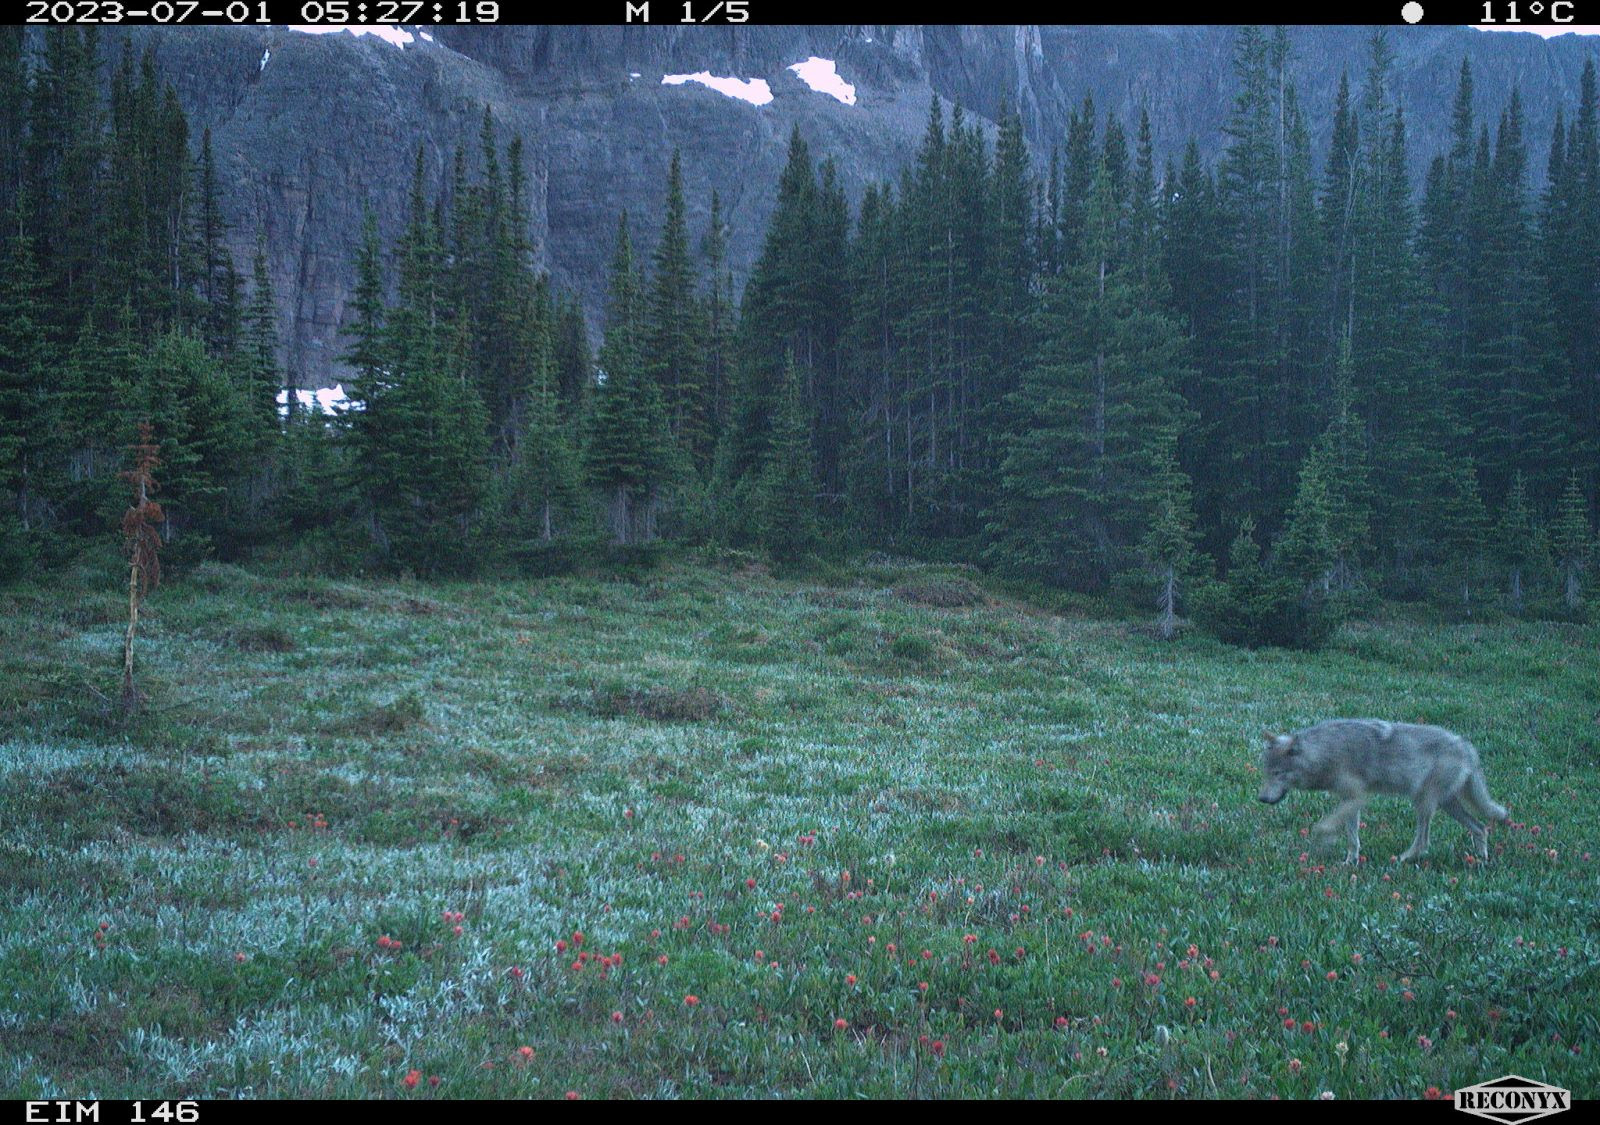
(1085, 458)
(1252, 606)
(63, 161)
(1305, 551)
(1169, 541)
(786, 494)
(1516, 540)
(14, 79)
(1462, 526)
(260, 345)
(1342, 454)
(545, 474)
(779, 314)
(717, 316)
(432, 456)
(1574, 548)
(367, 355)
(207, 451)
(30, 405)
(673, 345)
(628, 437)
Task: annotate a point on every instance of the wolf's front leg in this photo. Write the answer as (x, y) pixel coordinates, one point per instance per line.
(1346, 815)
(1336, 819)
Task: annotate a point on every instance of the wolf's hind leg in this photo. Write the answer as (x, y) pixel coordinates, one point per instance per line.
(1475, 828)
(1352, 833)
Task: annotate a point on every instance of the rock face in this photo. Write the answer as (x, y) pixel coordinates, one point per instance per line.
(311, 129)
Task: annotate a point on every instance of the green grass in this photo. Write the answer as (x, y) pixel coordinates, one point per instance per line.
(918, 772)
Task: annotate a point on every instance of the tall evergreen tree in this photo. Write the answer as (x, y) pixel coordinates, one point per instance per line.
(717, 316)
(786, 498)
(629, 438)
(30, 405)
(1084, 465)
(673, 332)
(1574, 548)
(1169, 541)
(260, 344)
(1516, 541)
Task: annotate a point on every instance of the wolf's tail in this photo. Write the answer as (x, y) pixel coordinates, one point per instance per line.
(1478, 794)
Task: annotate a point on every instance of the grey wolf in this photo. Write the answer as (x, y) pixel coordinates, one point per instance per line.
(1355, 758)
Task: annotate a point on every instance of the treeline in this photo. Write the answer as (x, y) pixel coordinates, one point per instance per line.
(120, 303)
(1109, 375)
(1251, 390)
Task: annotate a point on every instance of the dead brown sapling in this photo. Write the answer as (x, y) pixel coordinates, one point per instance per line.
(141, 535)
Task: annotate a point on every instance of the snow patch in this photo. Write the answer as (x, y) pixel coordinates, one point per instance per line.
(426, 36)
(398, 36)
(266, 57)
(822, 75)
(753, 90)
(329, 400)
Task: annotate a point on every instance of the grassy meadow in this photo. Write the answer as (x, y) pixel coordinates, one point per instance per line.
(709, 833)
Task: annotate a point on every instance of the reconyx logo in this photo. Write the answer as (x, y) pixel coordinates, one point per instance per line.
(1513, 1099)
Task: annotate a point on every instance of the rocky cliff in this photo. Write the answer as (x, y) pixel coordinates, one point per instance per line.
(309, 129)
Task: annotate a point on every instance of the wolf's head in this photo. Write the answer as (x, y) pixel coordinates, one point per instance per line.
(1281, 767)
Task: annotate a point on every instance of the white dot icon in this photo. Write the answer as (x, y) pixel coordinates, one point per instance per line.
(1412, 12)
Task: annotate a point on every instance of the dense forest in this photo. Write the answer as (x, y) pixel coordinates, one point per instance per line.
(1256, 392)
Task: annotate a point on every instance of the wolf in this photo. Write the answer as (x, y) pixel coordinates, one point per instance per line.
(1355, 758)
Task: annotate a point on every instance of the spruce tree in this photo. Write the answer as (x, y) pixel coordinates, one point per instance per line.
(1574, 548)
(1342, 451)
(1169, 541)
(30, 404)
(779, 313)
(204, 420)
(627, 451)
(1516, 540)
(432, 456)
(574, 368)
(259, 350)
(717, 316)
(1306, 552)
(1085, 458)
(1462, 526)
(545, 476)
(786, 499)
(673, 333)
